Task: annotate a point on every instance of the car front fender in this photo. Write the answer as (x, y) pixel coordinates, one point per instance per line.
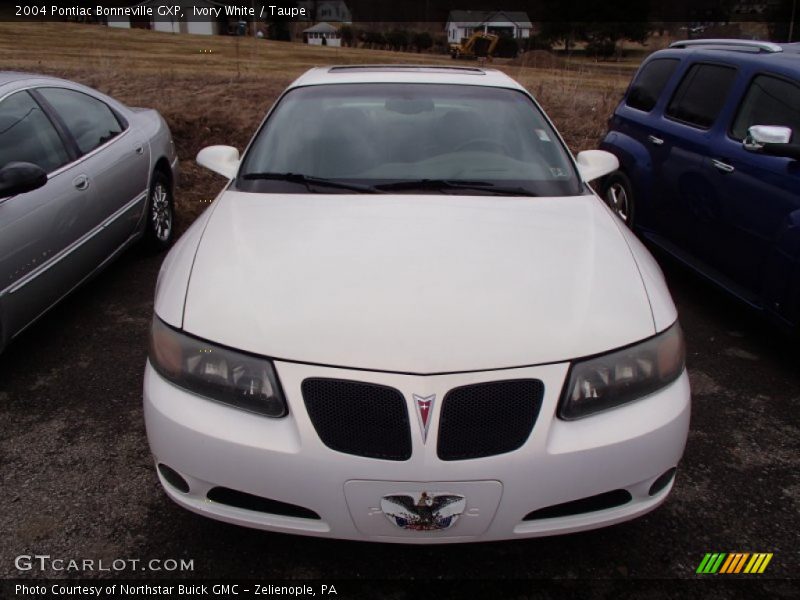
(173, 277)
(635, 161)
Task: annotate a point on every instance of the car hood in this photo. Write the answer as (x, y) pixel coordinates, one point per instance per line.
(415, 284)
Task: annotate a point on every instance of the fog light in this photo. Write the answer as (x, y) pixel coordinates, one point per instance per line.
(662, 481)
(173, 478)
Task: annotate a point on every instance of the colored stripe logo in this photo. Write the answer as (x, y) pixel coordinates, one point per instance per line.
(734, 562)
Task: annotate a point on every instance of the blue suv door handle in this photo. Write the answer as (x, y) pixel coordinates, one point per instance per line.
(724, 167)
(655, 140)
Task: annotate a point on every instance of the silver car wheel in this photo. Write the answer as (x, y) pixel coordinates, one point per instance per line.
(617, 199)
(161, 212)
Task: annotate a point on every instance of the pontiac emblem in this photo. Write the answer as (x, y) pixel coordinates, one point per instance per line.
(424, 406)
(423, 511)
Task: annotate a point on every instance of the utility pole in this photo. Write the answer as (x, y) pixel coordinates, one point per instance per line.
(791, 19)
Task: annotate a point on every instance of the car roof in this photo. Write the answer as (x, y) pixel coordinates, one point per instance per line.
(18, 80)
(781, 57)
(406, 74)
(12, 76)
(12, 81)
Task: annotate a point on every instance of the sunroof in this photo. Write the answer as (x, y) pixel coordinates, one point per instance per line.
(406, 69)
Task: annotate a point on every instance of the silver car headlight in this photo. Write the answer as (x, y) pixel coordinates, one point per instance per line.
(622, 376)
(234, 378)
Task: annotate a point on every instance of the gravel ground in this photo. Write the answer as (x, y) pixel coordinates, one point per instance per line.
(78, 482)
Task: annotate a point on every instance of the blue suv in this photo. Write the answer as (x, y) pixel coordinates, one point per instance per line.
(708, 140)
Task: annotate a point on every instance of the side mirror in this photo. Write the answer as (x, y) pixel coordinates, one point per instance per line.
(220, 159)
(594, 164)
(21, 177)
(773, 140)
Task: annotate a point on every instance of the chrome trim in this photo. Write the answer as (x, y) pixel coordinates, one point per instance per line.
(97, 269)
(758, 135)
(721, 166)
(20, 283)
(88, 155)
(765, 46)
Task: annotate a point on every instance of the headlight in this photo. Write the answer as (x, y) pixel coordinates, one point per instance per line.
(220, 374)
(623, 376)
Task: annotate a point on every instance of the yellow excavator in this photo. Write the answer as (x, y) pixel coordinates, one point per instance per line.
(478, 45)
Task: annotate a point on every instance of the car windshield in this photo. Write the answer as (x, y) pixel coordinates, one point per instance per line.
(407, 138)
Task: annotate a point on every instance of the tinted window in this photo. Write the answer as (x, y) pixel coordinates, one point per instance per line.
(650, 83)
(769, 101)
(27, 135)
(701, 95)
(90, 121)
(387, 132)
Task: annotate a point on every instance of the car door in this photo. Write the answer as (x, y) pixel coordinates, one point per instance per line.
(685, 199)
(758, 234)
(116, 156)
(41, 231)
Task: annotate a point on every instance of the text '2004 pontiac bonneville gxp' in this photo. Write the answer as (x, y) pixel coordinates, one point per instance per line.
(408, 318)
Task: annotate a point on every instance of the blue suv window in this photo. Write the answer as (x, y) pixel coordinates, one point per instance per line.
(769, 101)
(650, 82)
(701, 94)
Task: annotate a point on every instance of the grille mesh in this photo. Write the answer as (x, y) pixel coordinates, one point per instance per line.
(486, 419)
(364, 419)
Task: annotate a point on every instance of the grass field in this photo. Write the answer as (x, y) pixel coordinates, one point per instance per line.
(215, 90)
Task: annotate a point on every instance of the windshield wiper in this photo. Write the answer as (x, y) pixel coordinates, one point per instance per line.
(311, 182)
(451, 184)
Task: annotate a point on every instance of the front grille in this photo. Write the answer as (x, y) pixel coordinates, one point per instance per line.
(486, 419)
(364, 419)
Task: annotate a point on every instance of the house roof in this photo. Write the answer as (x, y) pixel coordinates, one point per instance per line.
(479, 17)
(321, 28)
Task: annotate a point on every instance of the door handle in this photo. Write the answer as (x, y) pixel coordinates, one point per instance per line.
(139, 149)
(655, 140)
(81, 182)
(724, 167)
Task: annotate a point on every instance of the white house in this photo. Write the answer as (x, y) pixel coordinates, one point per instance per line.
(330, 11)
(463, 23)
(322, 34)
(187, 23)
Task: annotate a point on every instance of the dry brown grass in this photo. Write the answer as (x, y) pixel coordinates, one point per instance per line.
(215, 90)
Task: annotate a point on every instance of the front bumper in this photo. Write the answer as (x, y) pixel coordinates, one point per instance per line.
(211, 445)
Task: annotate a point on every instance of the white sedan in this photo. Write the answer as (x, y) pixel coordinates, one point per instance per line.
(408, 318)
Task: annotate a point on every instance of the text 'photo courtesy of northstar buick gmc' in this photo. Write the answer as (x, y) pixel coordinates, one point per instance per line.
(408, 318)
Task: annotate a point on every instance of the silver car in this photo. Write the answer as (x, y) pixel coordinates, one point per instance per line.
(82, 177)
